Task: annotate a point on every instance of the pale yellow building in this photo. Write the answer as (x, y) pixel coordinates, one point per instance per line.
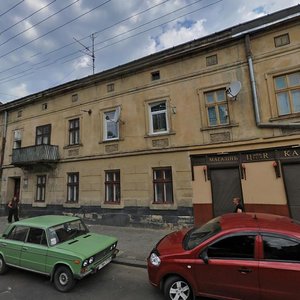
(168, 139)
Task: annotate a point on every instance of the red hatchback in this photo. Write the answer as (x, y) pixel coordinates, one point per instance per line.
(234, 256)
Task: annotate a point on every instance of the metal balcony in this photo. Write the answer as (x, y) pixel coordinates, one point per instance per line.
(35, 155)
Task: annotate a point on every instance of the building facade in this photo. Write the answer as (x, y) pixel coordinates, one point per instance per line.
(168, 139)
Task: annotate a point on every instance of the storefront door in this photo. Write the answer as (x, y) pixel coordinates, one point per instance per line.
(226, 184)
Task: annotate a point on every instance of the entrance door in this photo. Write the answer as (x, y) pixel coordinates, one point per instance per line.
(226, 184)
(291, 173)
(17, 187)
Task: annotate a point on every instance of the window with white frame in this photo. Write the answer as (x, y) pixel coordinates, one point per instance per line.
(73, 187)
(17, 139)
(287, 90)
(163, 185)
(158, 117)
(216, 107)
(112, 187)
(111, 125)
(74, 131)
(41, 188)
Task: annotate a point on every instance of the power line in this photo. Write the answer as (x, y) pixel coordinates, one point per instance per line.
(72, 54)
(38, 23)
(56, 28)
(35, 12)
(11, 8)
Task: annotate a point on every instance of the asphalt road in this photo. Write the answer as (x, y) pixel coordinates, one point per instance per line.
(114, 282)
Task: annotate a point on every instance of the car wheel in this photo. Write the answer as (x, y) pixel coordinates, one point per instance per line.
(177, 288)
(3, 266)
(63, 279)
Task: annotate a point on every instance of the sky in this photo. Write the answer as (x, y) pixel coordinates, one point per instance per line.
(45, 43)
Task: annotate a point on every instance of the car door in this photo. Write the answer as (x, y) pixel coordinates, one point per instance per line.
(228, 268)
(34, 251)
(279, 269)
(13, 243)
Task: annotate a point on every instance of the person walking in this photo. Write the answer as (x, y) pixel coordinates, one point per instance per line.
(13, 209)
(238, 205)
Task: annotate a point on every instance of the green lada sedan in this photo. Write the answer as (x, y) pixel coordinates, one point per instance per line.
(61, 247)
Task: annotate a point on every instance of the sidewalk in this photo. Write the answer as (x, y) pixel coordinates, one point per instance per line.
(134, 244)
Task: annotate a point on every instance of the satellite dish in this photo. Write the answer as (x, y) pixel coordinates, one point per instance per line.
(233, 89)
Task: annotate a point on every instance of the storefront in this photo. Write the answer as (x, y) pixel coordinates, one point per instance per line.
(265, 180)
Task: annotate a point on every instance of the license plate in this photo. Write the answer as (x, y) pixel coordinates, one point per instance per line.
(104, 263)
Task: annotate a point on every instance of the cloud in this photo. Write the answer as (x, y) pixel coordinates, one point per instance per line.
(20, 90)
(181, 33)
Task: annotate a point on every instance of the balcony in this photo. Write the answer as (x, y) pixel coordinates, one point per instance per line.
(27, 157)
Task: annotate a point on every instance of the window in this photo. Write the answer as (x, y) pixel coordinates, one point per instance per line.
(112, 187)
(41, 188)
(282, 40)
(18, 233)
(43, 134)
(44, 106)
(234, 247)
(287, 89)
(73, 187)
(163, 186)
(110, 87)
(37, 236)
(19, 114)
(281, 248)
(74, 97)
(216, 107)
(155, 75)
(211, 60)
(111, 125)
(17, 139)
(74, 132)
(158, 117)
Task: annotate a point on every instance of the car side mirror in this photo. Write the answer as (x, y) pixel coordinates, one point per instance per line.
(204, 257)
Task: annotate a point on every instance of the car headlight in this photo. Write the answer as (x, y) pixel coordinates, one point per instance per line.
(85, 263)
(154, 259)
(113, 246)
(91, 260)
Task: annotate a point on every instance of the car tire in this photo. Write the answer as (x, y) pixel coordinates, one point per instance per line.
(3, 266)
(63, 279)
(176, 287)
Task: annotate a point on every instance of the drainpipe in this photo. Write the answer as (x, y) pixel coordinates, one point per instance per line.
(3, 140)
(255, 97)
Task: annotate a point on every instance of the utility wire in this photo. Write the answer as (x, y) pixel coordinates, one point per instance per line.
(54, 29)
(38, 23)
(11, 8)
(102, 30)
(72, 54)
(35, 12)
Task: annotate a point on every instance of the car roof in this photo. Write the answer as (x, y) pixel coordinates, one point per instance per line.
(261, 221)
(46, 220)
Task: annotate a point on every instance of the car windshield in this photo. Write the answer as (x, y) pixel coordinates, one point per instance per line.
(199, 234)
(66, 231)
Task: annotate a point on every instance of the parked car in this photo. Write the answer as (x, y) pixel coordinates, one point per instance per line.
(58, 246)
(234, 256)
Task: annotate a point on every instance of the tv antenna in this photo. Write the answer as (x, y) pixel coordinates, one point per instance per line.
(88, 51)
(233, 89)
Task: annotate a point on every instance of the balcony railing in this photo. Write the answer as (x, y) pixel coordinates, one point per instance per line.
(38, 154)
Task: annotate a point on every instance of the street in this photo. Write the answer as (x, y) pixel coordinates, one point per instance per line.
(114, 282)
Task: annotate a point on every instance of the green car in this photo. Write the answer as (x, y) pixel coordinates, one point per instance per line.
(58, 246)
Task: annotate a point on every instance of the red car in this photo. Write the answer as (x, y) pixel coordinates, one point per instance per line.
(234, 256)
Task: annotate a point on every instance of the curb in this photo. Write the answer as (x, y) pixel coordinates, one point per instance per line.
(130, 263)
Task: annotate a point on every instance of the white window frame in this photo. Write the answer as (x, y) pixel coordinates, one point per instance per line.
(17, 139)
(154, 113)
(111, 118)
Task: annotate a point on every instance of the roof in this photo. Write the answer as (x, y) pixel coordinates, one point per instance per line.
(261, 220)
(46, 221)
(183, 50)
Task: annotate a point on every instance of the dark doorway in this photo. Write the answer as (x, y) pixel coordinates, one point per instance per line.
(17, 184)
(226, 184)
(291, 173)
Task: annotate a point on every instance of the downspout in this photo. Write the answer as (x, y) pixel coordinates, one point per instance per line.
(255, 97)
(3, 143)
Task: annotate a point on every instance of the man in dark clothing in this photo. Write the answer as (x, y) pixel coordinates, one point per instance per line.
(238, 206)
(13, 209)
